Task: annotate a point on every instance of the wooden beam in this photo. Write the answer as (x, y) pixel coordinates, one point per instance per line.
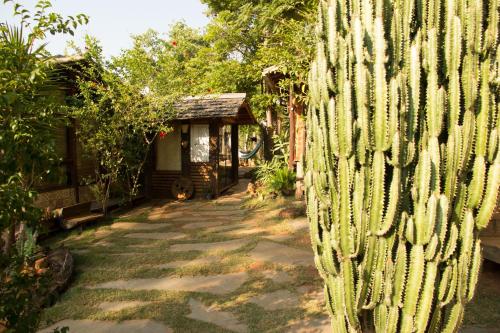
(214, 157)
(292, 116)
(72, 142)
(185, 154)
(235, 160)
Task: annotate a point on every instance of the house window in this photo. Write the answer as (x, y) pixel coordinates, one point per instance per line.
(200, 143)
(60, 175)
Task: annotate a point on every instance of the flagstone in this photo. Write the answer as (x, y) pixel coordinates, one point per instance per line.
(229, 200)
(103, 232)
(278, 276)
(170, 215)
(221, 207)
(191, 219)
(281, 254)
(142, 246)
(118, 306)
(312, 293)
(139, 226)
(249, 231)
(199, 225)
(183, 263)
(157, 235)
(279, 237)
(224, 213)
(101, 326)
(212, 315)
(216, 246)
(102, 243)
(298, 224)
(278, 300)
(313, 325)
(136, 212)
(127, 254)
(222, 228)
(215, 284)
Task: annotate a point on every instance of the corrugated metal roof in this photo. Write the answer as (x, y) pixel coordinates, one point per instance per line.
(211, 106)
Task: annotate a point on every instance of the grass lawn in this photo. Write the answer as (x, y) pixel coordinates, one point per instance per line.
(103, 254)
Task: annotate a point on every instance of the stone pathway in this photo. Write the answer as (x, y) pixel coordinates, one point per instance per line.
(158, 235)
(118, 306)
(281, 254)
(215, 316)
(209, 247)
(100, 326)
(278, 300)
(139, 226)
(186, 263)
(214, 284)
(237, 259)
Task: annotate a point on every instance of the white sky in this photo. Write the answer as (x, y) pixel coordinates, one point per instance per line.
(113, 21)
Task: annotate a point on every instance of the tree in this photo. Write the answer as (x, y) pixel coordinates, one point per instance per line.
(403, 165)
(118, 121)
(29, 113)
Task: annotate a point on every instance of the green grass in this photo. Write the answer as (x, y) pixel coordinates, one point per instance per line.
(104, 263)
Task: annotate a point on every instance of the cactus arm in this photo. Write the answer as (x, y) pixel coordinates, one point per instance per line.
(393, 204)
(415, 276)
(451, 285)
(380, 88)
(453, 318)
(426, 299)
(451, 244)
(474, 270)
(402, 92)
(490, 196)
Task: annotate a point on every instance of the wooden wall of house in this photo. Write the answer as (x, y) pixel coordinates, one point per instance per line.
(161, 183)
(203, 175)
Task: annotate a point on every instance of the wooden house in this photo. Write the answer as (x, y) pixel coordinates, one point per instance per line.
(68, 187)
(202, 147)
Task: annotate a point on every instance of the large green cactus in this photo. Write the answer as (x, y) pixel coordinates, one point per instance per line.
(403, 162)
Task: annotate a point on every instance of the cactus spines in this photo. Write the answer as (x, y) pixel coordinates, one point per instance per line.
(403, 158)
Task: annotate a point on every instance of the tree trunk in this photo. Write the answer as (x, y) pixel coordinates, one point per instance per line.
(10, 238)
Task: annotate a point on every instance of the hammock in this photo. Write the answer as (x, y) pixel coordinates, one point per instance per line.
(246, 155)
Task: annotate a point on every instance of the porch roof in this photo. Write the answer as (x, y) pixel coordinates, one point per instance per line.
(232, 108)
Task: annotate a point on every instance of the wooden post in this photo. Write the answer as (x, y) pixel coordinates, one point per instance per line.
(292, 116)
(185, 154)
(72, 154)
(214, 150)
(300, 151)
(235, 159)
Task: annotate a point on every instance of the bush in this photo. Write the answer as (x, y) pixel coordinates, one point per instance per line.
(282, 181)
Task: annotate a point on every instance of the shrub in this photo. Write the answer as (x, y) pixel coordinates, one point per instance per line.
(282, 181)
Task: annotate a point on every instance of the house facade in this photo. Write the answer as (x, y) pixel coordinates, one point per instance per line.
(202, 147)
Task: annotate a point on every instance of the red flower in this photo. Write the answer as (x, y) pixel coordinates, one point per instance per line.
(174, 43)
(162, 135)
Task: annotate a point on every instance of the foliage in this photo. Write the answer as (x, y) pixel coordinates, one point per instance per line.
(275, 175)
(266, 169)
(403, 161)
(282, 181)
(184, 63)
(30, 110)
(20, 296)
(117, 123)
(263, 34)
